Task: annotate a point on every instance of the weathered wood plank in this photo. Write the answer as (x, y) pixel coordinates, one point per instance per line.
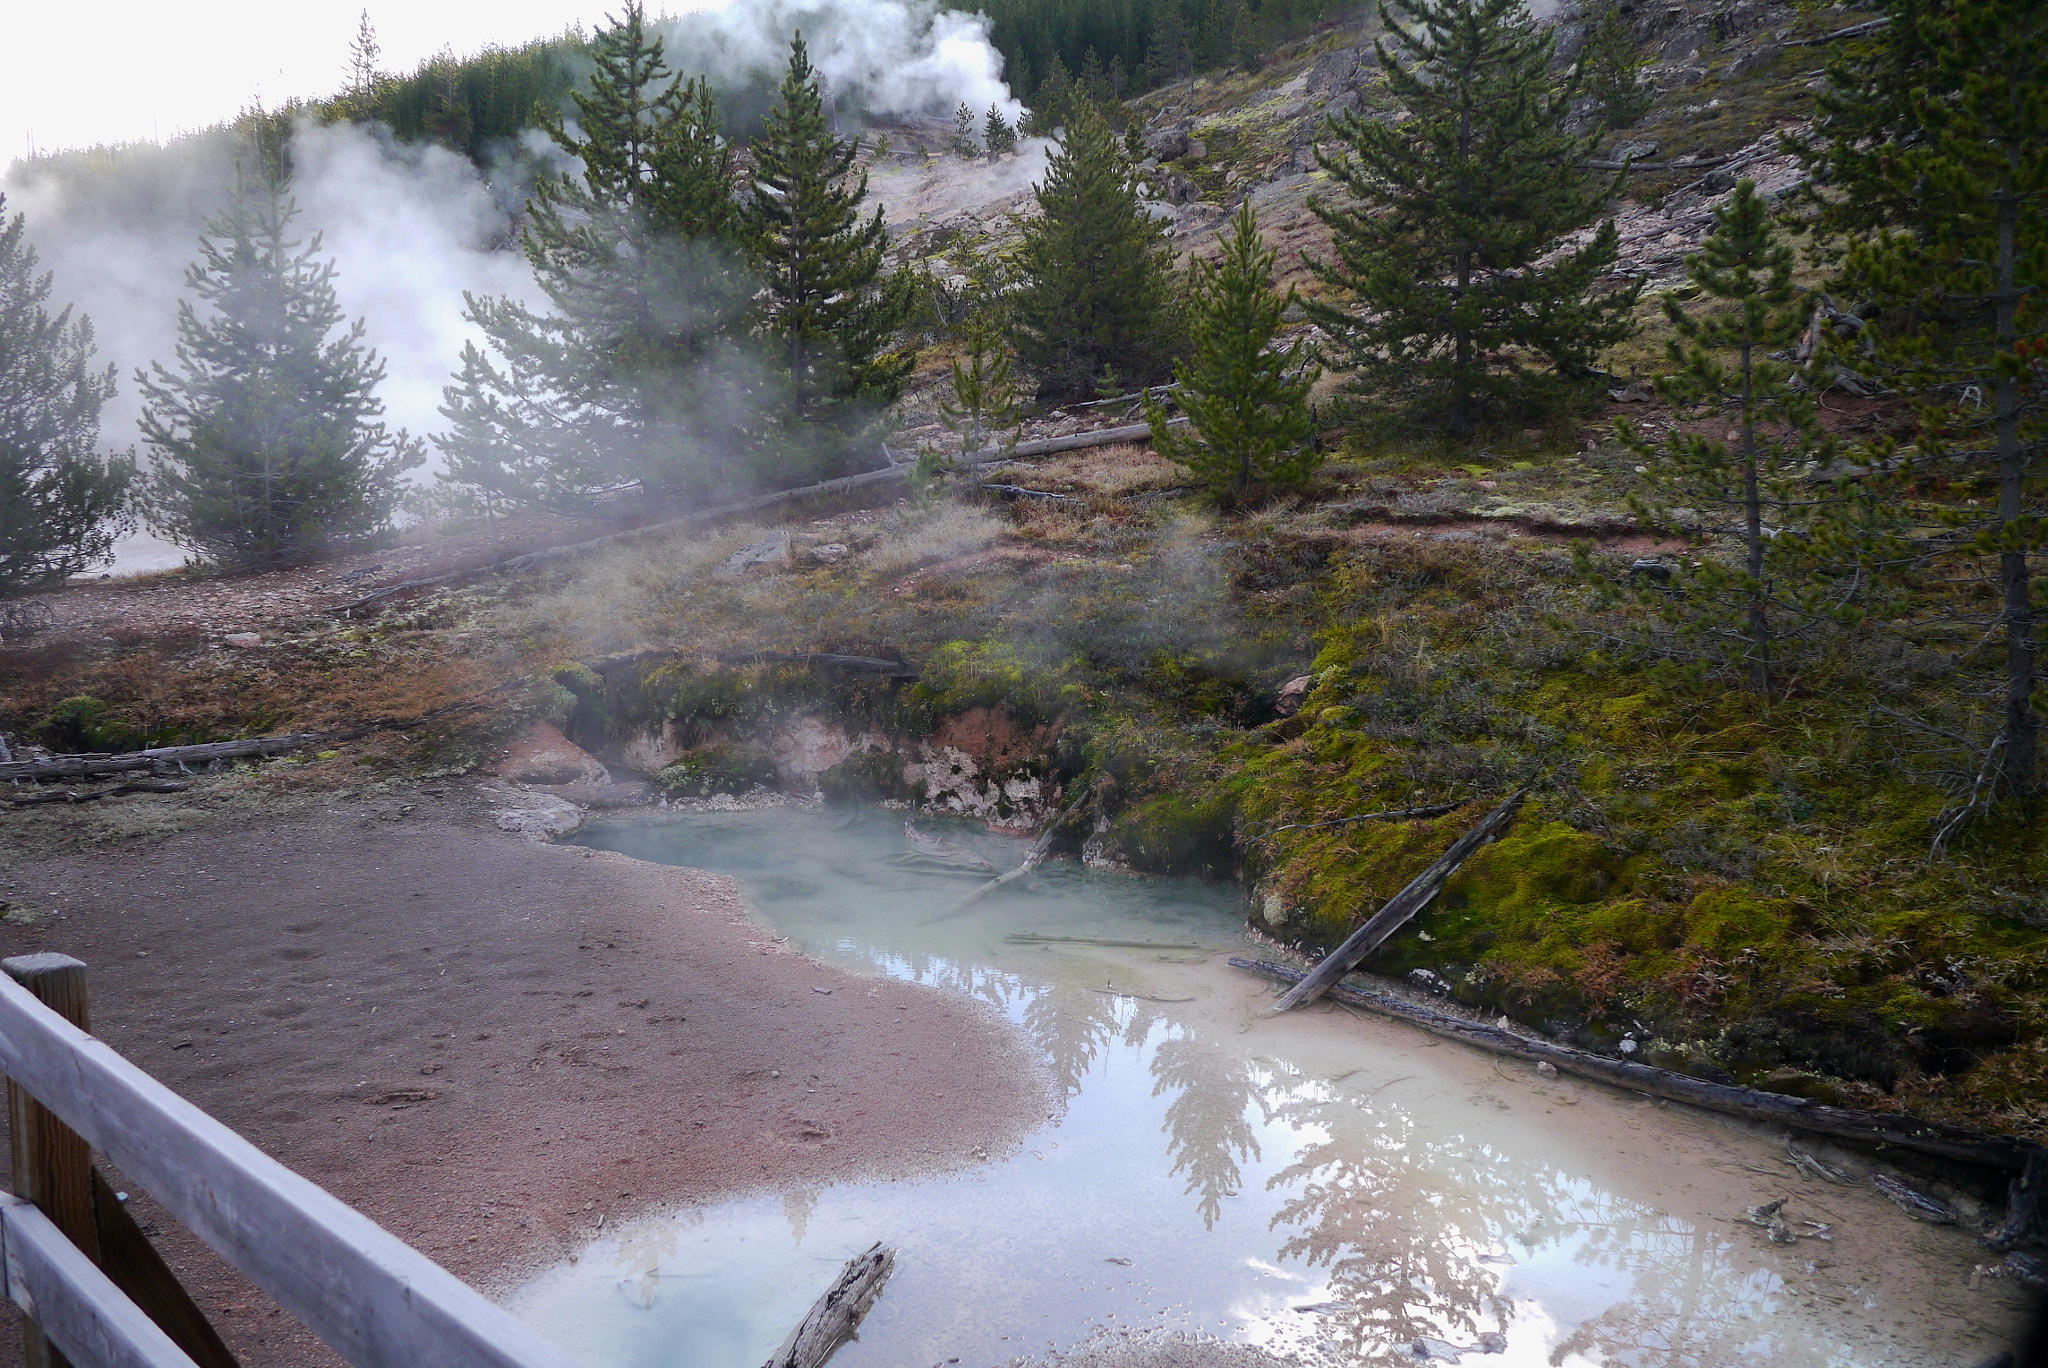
(80, 1311)
(377, 1301)
(133, 1264)
(52, 1165)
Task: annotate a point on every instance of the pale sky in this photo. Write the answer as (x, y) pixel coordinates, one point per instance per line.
(120, 72)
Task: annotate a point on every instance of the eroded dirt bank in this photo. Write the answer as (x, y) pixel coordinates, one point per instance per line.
(488, 1044)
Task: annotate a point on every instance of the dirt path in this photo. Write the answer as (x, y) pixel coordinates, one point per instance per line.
(488, 1044)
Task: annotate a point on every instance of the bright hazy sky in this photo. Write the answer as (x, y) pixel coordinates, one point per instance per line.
(116, 71)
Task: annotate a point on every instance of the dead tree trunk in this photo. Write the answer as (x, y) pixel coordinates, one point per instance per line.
(834, 1318)
(1881, 1128)
(1400, 908)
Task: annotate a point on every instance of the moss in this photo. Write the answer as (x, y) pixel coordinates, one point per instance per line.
(83, 723)
(1189, 833)
(721, 767)
(868, 776)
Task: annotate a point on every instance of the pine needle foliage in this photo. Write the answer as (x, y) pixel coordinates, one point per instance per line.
(833, 316)
(61, 503)
(996, 134)
(984, 402)
(1450, 211)
(1808, 549)
(1246, 401)
(1936, 150)
(1097, 271)
(638, 378)
(266, 435)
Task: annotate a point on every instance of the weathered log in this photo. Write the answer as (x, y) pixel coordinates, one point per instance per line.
(1395, 815)
(836, 1316)
(555, 555)
(856, 664)
(1039, 848)
(1020, 492)
(1400, 908)
(1799, 1113)
(1853, 31)
(1035, 938)
(94, 795)
(85, 766)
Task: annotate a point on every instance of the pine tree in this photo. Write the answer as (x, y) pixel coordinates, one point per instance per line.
(984, 402)
(831, 313)
(1096, 270)
(1453, 208)
(1169, 56)
(996, 134)
(1613, 69)
(1053, 102)
(1247, 402)
(1807, 550)
(363, 75)
(268, 449)
(963, 131)
(61, 503)
(640, 375)
(1944, 148)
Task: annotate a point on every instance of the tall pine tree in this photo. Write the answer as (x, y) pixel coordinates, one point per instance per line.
(1449, 212)
(832, 315)
(639, 377)
(1097, 273)
(1247, 402)
(1936, 142)
(267, 441)
(61, 503)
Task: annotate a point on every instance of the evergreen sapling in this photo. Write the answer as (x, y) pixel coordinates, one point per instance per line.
(1246, 401)
(1808, 549)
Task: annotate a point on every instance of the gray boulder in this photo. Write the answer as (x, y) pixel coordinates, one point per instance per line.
(1168, 144)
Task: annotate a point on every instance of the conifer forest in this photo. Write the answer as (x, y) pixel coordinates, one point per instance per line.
(1387, 658)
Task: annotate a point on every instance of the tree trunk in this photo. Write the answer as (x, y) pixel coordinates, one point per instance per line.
(2021, 729)
(1753, 535)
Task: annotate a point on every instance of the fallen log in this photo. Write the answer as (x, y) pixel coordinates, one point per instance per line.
(836, 1316)
(1035, 938)
(1020, 492)
(555, 555)
(1395, 815)
(1881, 1128)
(857, 664)
(1400, 908)
(1853, 31)
(1039, 848)
(70, 796)
(1844, 1123)
(85, 766)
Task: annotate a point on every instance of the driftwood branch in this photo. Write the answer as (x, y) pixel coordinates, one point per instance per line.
(834, 1318)
(1020, 492)
(1396, 815)
(1853, 31)
(1883, 1128)
(1035, 938)
(1039, 849)
(1703, 164)
(1400, 908)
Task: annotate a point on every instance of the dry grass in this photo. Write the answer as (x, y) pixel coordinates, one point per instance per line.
(1112, 471)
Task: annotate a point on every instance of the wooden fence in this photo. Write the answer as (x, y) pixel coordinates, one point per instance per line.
(95, 1291)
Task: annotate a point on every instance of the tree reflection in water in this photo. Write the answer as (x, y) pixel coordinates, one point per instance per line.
(1206, 1126)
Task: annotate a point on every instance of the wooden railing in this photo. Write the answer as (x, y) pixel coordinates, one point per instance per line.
(95, 1291)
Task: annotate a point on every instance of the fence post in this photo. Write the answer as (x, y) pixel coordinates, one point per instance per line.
(52, 1165)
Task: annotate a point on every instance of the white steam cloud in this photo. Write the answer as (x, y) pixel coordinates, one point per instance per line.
(881, 57)
(411, 227)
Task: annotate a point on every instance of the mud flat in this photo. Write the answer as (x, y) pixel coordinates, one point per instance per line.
(496, 1047)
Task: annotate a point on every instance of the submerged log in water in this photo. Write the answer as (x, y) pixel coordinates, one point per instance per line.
(1879, 1128)
(834, 1318)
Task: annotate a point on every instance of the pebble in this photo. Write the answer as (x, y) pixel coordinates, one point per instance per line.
(1547, 1069)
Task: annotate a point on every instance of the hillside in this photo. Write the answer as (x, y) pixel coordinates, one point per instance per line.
(1737, 888)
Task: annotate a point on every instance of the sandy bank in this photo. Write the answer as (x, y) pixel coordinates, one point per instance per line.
(488, 1044)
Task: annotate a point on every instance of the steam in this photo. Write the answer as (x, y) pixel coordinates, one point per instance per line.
(878, 58)
(411, 227)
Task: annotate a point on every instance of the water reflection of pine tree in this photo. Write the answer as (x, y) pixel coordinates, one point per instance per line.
(1402, 1244)
(1071, 1026)
(1692, 1302)
(1206, 1128)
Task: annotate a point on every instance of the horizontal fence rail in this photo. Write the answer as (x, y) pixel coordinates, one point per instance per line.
(376, 1300)
(77, 1307)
